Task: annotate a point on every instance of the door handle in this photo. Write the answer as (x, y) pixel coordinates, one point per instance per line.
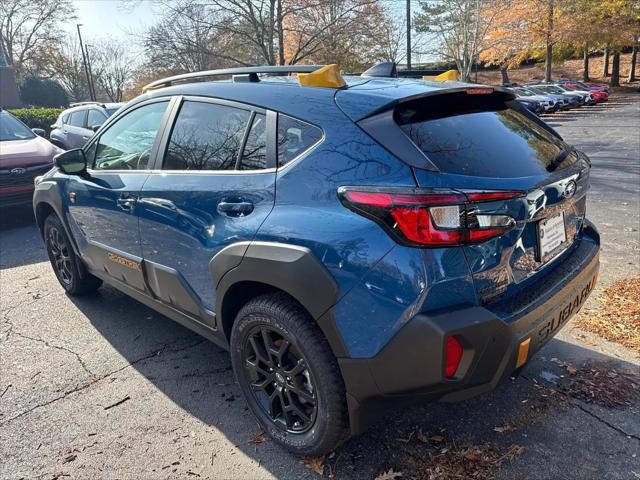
(235, 209)
(126, 202)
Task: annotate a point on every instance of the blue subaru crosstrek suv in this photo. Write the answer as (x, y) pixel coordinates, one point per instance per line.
(354, 242)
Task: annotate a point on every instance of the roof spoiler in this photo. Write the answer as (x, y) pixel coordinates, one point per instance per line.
(239, 74)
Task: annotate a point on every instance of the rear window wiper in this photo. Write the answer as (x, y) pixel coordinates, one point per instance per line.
(559, 158)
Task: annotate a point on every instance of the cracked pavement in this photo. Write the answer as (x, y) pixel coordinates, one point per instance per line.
(103, 387)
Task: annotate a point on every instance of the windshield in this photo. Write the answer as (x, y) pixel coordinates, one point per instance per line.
(524, 92)
(13, 129)
(111, 111)
(553, 89)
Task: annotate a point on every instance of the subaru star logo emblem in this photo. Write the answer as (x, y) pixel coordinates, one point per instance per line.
(18, 171)
(570, 189)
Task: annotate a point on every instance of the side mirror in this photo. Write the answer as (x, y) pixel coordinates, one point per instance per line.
(95, 128)
(40, 132)
(72, 162)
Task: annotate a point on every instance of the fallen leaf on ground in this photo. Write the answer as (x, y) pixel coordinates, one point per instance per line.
(314, 463)
(505, 428)
(259, 437)
(389, 475)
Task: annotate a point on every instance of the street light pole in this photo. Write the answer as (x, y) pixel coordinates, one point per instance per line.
(408, 34)
(84, 61)
(92, 85)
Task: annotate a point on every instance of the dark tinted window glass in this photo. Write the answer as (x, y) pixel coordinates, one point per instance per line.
(95, 117)
(206, 137)
(126, 145)
(254, 155)
(479, 137)
(77, 118)
(294, 137)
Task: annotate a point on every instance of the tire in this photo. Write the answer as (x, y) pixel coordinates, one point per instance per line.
(313, 390)
(68, 268)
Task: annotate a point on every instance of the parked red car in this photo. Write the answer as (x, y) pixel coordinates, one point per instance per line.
(599, 95)
(602, 86)
(24, 155)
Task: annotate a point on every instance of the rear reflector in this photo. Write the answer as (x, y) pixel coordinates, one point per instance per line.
(437, 218)
(453, 355)
(523, 352)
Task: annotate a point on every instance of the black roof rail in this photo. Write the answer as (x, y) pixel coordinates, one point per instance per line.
(243, 74)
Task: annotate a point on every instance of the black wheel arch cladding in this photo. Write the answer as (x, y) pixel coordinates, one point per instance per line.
(284, 267)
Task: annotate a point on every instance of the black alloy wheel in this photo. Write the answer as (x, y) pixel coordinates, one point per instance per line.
(60, 255)
(280, 379)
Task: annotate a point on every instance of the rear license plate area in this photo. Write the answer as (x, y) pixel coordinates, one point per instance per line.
(552, 237)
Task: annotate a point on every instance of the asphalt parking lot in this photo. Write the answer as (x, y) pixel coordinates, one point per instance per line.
(103, 387)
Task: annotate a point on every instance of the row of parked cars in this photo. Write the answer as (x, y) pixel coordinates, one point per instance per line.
(541, 98)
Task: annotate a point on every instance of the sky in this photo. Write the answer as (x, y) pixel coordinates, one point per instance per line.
(122, 19)
(107, 18)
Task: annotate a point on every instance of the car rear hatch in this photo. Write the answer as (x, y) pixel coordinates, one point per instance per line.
(513, 169)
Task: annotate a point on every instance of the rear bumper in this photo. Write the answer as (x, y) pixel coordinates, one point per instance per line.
(410, 367)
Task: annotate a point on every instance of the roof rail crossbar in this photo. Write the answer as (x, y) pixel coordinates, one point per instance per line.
(79, 104)
(251, 72)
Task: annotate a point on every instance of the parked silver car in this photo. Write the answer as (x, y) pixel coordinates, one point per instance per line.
(77, 124)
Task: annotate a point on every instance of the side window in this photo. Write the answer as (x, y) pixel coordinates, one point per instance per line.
(95, 118)
(254, 155)
(206, 136)
(77, 118)
(294, 137)
(65, 118)
(126, 145)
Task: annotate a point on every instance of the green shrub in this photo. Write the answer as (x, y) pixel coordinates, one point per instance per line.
(38, 117)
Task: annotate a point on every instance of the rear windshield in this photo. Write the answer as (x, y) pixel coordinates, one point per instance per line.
(478, 135)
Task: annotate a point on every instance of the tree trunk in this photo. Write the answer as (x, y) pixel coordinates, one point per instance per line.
(585, 65)
(615, 70)
(549, 56)
(634, 57)
(505, 75)
(605, 63)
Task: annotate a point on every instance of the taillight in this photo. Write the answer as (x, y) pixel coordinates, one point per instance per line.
(433, 218)
(452, 357)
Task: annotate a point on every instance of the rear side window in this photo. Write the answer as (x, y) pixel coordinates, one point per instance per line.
(478, 135)
(95, 118)
(206, 136)
(294, 138)
(76, 119)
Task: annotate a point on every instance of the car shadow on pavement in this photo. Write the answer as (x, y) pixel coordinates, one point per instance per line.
(197, 377)
(20, 240)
